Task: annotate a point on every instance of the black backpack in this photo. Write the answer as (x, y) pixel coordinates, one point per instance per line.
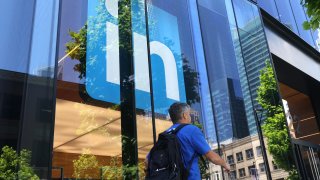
(165, 158)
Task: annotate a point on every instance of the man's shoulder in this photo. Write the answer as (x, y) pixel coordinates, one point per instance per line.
(190, 128)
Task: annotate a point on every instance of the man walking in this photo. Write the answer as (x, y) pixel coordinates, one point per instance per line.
(192, 141)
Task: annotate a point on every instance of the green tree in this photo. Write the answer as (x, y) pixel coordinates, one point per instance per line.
(274, 126)
(115, 170)
(85, 165)
(313, 11)
(16, 166)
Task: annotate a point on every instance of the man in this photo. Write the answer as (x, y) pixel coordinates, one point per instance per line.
(192, 141)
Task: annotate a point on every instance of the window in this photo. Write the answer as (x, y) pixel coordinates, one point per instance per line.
(249, 153)
(216, 175)
(262, 167)
(275, 167)
(252, 170)
(269, 6)
(242, 172)
(233, 175)
(258, 148)
(300, 17)
(230, 159)
(286, 15)
(239, 157)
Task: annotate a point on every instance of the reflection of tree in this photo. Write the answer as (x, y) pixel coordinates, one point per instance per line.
(274, 127)
(114, 170)
(16, 166)
(191, 82)
(85, 166)
(80, 39)
(78, 46)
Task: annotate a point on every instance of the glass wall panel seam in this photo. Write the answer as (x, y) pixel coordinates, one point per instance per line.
(150, 73)
(51, 133)
(210, 91)
(245, 67)
(25, 85)
(294, 17)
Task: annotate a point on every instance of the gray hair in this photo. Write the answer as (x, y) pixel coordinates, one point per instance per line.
(176, 110)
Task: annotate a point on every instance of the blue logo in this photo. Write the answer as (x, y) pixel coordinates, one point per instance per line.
(102, 66)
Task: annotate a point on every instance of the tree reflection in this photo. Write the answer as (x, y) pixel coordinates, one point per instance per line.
(274, 127)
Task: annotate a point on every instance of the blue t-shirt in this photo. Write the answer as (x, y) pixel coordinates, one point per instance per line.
(192, 141)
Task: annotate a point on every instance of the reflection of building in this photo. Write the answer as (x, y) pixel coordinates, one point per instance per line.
(254, 53)
(245, 159)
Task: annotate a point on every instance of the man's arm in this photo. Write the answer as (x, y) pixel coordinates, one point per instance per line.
(216, 159)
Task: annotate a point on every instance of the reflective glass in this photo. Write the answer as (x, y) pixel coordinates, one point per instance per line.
(227, 79)
(15, 37)
(269, 6)
(176, 51)
(28, 42)
(286, 15)
(300, 17)
(87, 137)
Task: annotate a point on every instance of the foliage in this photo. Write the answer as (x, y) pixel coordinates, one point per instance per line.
(115, 170)
(313, 11)
(274, 127)
(85, 165)
(77, 50)
(16, 166)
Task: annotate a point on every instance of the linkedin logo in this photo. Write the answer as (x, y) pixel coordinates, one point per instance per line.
(102, 66)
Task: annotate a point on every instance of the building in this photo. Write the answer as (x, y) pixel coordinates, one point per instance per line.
(246, 161)
(87, 92)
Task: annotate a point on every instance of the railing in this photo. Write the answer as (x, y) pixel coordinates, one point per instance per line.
(308, 156)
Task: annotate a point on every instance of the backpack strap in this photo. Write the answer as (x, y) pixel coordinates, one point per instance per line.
(191, 161)
(177, 129)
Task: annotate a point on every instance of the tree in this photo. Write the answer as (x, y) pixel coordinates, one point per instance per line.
(16, 166)
(274, 127)
(115, 170)
(313, 11)
(85, 166)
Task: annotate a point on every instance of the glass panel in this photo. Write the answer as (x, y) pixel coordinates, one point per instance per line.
(145, 134)
(15, 49)
(87, 137)
(300, 17)
(228, 79)
(270, 7)
(255, 56)
(178, 69)
(286, 15)
(26, 81)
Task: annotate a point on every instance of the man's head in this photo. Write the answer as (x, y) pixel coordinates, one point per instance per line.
(180, 113)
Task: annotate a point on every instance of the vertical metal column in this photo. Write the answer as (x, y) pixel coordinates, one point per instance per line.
(150, 72)
(127, 90)
(263, 148)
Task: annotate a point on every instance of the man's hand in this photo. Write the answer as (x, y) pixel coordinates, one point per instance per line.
(216, 159)
(226, 168)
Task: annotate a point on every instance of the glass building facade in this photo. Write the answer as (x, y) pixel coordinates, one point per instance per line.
(85, 85)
